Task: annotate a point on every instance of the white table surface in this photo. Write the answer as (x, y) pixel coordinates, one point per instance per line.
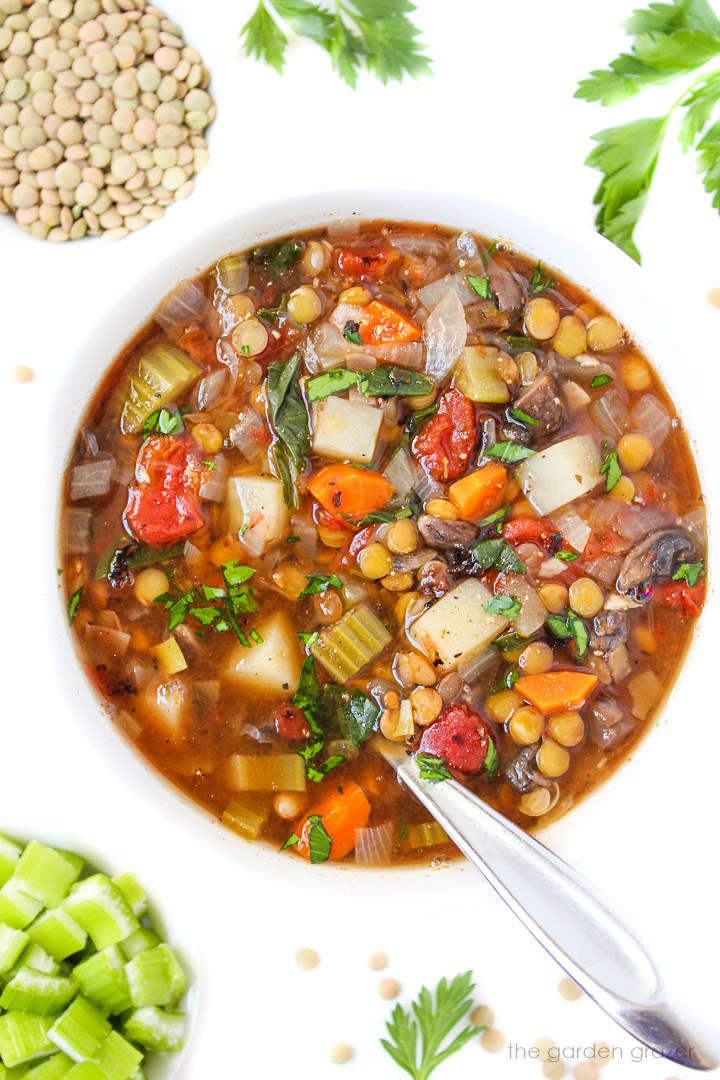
(498, 119)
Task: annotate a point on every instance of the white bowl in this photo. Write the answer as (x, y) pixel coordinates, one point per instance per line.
(585, 258)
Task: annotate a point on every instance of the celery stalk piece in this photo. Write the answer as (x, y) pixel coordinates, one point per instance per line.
(17, 909)
(142, 939)
(139, 1074)
(12, 943)
(55, 1068)
(117, 1059)
(102, 910)
(86, 1070)
(243, 821)
(162, 375)
(45, 874)
(156, 1029)
(33, 991)
(36, 958)
(58, 933)
(10, 853)
(24, 1037)
(80, 1031)
(155, 977)
(133, 893)
(18, 1073)
(347, 647)
(102, 980)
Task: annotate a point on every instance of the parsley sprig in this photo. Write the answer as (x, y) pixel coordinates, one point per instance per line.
(670, 40)
(216, 607)
(378, 35)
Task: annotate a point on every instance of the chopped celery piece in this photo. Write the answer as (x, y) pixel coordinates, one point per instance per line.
(103, 981)
(45, 874)
(117, 1059)
(33, 991)
(58, 933)
(345, 648)
(144, 938)
(86, 1070)
(155, 1029)
(12, 943)
(17, 909)
(133, 893)
(24, 1037)
(80, 1031)
(268, 772)
(101, 908)
(18, 1073)
(9, 854)
(162, 375)
(427, 834)
(35, 957)
(55, 1068)
(155, 977)
(242, 820)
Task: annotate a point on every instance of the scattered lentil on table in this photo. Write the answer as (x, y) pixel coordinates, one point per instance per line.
(389, 988)
(340, 1053)
(378, 960)
(569, 989)
(102, 112)
(22, 373)
(482, 1016)
(493, 1041)
(307, 959)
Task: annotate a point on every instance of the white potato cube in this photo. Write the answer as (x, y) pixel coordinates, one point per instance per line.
(457, 625)
(162, 703)
(256, 503)
(563, 472)
(346, 430)
(272, 668)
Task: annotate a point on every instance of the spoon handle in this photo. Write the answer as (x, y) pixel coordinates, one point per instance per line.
(572, 920)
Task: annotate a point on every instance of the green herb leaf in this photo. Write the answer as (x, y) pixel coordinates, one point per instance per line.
(270, 314)
(497, 519)
(289, 421)
(74, 604)
(351, 332)
(307, 697)
(567, 556)
(690, 573)
(256, 636)
(601, 380)
(320, 583)
(416, 420)
(481, 286)
(492, 761)
(164, 422)
(432, 768)
(280, 255)
(387, 382)
(520, 344)
(291, 841)
(178, 610)
(509, 606)
(497, 555)
(569, 625)
(241, 598)
(206, 616)
(523, 417)
(308, 637)
(319, 842)
(509, 451)
(383, 517)
(509, 642)
(330, 382)
(352, 712)
(539, 282)
(610, 469)
(263, 38)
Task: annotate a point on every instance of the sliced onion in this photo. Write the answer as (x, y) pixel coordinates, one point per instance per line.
(255, 539)
(90, 443)
(326, 348)
(140, 671)
(575, 531)
(355, 593)
(192, 554)
(696, 524)
(651, 417)
(109, 619)
(214, 483)
(576, 397)
(445, 334)
(420, 245)
(344, 313)
(91, 478)
(213, 387)
(552, 568)
(532, 555)
(604, 569)
(255, 733)
(427, 488)
(472, 668)
(407, 354)
(308, 542)
(102, 642)
(342, 228)
(373, 846)
(184, 305)
(124, 468)
(248, 433)
(610, 414)
(532, 613)
(187, 635)
(466, 248)
(432, 294)
(414, 561)
(402, 473)
(77, 530)
(584, 367)
(618, 661)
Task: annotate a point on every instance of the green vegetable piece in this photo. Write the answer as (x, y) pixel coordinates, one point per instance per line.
(103, 981)
(155, 977)
(135, 556)
(289, 421)
(291, 841)
(55, 1068)
(10, 853)
(387, 382)
(354, 713)
(509, 452)
(350, 644)
(133, 893)
(492, 761)
(690, 573)
(601, 380)
(102, 910)
(522, 417)
(156, 1029)
(481, 286)
(74, 604)
(17, 909)
(567, 556)
(320, 583)
(80, 1030)
(319, 841)
(12, 944)
(432, 768)
(86, 1070)
(24, 1037)
(245, 822)
(36, 958)
(117, 1059)
(330, 382)
(144, 938)
(496, 554)
(162, 375)
(280, 256)
(610, 469)
(45, 874)
(539, 282)
(570, 625)
(509, 606)
(351, 332)
(35, 992)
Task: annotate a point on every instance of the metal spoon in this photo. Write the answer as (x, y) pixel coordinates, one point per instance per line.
(572, 920)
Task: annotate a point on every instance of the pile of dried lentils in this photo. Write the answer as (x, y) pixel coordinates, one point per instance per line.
(102, 112)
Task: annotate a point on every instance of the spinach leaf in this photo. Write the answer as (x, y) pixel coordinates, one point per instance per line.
(394, 382)
(353, 712)
(330, 382)
(289, 421)
(497, 555)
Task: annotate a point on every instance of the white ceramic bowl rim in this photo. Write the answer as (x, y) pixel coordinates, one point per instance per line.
(585, 258)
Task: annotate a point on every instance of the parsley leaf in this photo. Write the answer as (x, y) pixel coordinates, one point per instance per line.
(383, 517)
(353, 712)
(481, 286)
(330, 382)
(690, 573)
(164, 422)
(291, 841)
(497, 555)
(509, 451)
(610, 469)
(522, 417)
(539, 283)
(320, 583)
(497, 519)
(509, 606)
(351, 332)
(264, 38)
(74, 604)
(567, 556)
(492, 761)
(601, 380)
(432, 768)
(289, 421)
(569, 625)
(319, 841)
(385, 381)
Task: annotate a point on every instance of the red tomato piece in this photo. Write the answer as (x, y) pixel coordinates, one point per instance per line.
(290, 723)
(444, 444)
(199, 345)
(688, 599)
(163, 506)
(374, 261)
(460, 737)
(523, 530)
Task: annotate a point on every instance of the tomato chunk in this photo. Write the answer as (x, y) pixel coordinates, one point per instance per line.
(445, 443)
(688, 599)
(290, 723)
(163, 506)
(367, 261)
(522, 530)
(460, 737)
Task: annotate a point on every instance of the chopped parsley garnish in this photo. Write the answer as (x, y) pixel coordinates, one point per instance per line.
(690, 573)
(224, 606)
(163, 422)
(270, 314)
(319, 841)
(280, 255)
(209, 465)
(567, 556)
(522, 417)
(245, 350)
(492, 761)
(509, 606)
(289, 422)
(492, 249)
(509, 679)
(539, 283)
(497, 519)
(509, 451)
(509, 642)
(432, 768)
(292, 539)
(481, 286)
(610, 468)
(308, 637)
(569, 625)
(291, 841)
(330, 382)
(383, 517)
(351, 332)
(309, 699)
(601, 380)
(497, 555)
(384, 381)
(520, 344)
(320, 583)
(415, 421)
(74, 604)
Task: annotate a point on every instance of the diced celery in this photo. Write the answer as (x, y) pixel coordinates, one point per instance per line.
(45, 874)
(103, 981)
(144, 938)
(268, 772)
(155, 977)
(242, 820)
(162, 375)
(86, 1070)
(427, 834)
(156, 1029)
(58, 933)
(24, 1037)
(18, 1073)
(133, 893)
(477, 375)
(16, 908)
(347, 647)
(55, 1068)
(169, 656)
(139, 1074)
(36, 958)
(102, 910)
(118, 1059)
(80, 1031)
(10, 852)
(33, 991)
(74, 859)
(12, 943)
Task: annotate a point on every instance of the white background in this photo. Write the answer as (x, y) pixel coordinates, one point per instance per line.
(498, 119)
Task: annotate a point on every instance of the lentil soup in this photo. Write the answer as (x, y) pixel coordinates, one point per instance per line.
(381, 481)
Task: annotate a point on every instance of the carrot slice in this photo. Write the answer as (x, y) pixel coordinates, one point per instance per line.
(551, 691)
(479, 492)
(346, 492)
(341, 813)
(383, 325)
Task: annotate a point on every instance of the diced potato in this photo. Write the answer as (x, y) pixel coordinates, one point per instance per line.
(256, 502)
(163, 702)
(169, 656)
(272, 668)
(457, 625)
(563, 472)
(477, 375)
(345, 430)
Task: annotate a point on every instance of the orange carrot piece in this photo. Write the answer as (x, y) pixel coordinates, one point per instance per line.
(480, 492)
(383, 325)
(341, 815)
(551, 691)
(346, 492)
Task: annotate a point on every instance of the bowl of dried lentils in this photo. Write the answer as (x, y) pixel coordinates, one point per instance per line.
(103, 114)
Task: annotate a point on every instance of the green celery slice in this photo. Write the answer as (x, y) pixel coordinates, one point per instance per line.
(103, 981)
(17, 909)
(36, 958)
(162, 375)
(347, 647)
(133, 893)
(144, 938)
(244, 822)
(86, 1070)
(24, 1037)
(10, 853)
(33, 991)
(117, 1059)
(12, 943)
(45, 874)
(55, 1068)
(58, 933)
(102, 910)
(155, 977)
(80, 1031)
(155, 1029)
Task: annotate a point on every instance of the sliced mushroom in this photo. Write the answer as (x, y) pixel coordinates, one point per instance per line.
(609, 631)
(439, 533)
(608, 724)
(522, 772)
(654, 558)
